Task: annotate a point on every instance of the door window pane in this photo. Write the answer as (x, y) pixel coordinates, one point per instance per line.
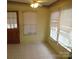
(11, 20)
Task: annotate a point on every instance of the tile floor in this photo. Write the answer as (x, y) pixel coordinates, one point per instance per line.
(29, 51)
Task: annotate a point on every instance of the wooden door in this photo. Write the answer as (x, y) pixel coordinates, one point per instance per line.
(12, 28)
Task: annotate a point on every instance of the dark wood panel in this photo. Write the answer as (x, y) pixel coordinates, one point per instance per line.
(12, 36)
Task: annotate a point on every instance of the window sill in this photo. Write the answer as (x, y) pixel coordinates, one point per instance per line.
(61, 45)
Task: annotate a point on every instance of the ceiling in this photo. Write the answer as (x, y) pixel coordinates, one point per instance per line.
(46, 2)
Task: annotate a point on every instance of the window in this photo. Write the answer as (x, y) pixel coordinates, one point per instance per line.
(54, 25)
(30, 22)
(11, 20)
(64, 30)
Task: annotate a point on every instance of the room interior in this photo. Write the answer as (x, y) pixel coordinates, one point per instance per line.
(39, 32)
